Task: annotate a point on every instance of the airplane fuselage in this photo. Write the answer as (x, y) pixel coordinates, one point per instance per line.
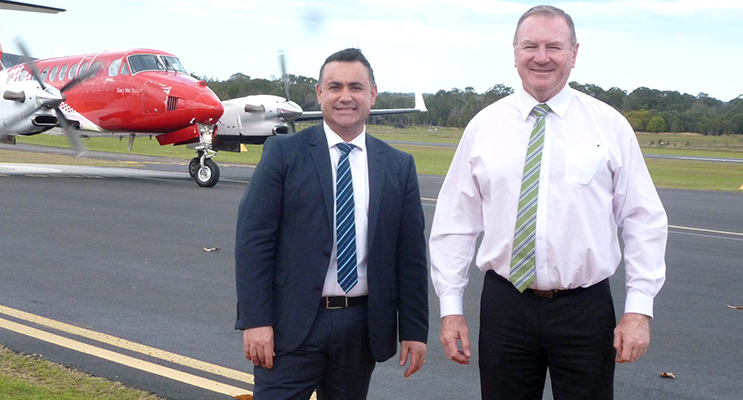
(141, 91)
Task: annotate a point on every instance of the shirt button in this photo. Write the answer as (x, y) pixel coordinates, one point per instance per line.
(541, 267)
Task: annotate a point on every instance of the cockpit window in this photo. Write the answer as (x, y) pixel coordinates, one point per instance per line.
(153, 62)
(124, 68)
(173, 64)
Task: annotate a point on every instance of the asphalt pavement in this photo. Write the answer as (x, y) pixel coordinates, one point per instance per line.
(123, 252)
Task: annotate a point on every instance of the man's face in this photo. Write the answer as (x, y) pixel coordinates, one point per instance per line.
(544, 55)
(346, 96)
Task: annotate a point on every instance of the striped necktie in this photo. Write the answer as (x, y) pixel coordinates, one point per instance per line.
(345, 221)
(524, 242)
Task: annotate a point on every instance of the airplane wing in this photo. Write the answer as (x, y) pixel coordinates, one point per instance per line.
(18, 6)
(420, 106)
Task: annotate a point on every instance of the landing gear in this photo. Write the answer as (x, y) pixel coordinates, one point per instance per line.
(204, 171)
(208, 174)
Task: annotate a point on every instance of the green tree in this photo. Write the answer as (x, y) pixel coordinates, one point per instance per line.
(656, 124)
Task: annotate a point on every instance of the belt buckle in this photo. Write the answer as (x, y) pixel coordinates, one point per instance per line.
(329, 307)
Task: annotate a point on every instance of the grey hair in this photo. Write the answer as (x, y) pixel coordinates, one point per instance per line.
(548, 11)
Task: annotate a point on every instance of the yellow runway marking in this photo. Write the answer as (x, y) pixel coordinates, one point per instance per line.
(127, 345)
(124, 360)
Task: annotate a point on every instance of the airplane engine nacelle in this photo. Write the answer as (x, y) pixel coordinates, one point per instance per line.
(252, 119)
(20, 112)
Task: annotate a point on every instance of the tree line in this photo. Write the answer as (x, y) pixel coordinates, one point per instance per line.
(647, 110)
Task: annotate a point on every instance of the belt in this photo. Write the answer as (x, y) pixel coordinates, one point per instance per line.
(335, 302)
(553, 293)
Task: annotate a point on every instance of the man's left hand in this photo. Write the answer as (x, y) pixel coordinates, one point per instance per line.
(417, 353)
(632, 337)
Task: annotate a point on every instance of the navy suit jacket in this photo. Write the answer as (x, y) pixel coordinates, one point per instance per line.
(285, 238)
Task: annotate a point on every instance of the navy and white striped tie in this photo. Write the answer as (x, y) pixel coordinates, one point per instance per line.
(345, 221)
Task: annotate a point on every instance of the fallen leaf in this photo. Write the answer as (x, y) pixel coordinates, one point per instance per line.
(212, 249)
(735, 307)
(244, 397)
(668, 375)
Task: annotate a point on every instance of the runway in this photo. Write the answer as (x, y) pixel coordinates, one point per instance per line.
(115, 259)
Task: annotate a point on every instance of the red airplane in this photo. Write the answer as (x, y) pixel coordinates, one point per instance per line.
(138, 92)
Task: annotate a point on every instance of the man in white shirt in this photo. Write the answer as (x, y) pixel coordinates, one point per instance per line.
(593, 180)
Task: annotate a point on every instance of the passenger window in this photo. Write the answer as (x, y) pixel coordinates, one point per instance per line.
(62, 72)
(83, 69)
(113, 69)
(44, 74)
(96, 67)
(73, 69)
(53, 74)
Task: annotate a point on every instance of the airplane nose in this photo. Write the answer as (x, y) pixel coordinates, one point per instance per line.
(208, 109)
(289, 111)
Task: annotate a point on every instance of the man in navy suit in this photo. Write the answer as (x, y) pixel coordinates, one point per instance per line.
(303, 330)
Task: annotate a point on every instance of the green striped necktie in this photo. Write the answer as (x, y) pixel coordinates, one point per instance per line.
(524, 239)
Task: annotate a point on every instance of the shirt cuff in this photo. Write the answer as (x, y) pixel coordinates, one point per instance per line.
(639, 303)
(451, 305)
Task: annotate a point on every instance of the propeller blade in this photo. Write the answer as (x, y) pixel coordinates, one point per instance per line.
(80, 78)
(284, 76)
(70, 131)
(30, 63)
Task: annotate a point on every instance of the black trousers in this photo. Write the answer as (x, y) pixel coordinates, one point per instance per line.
(335, 359)
(523, 335)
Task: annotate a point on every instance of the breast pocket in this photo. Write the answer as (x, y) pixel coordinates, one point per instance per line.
(583, 163)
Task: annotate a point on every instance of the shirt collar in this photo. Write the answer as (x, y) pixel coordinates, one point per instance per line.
(334, 139)
(558, 103)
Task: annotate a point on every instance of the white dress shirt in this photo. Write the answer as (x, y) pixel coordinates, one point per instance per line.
(593, 180)
(359, 172)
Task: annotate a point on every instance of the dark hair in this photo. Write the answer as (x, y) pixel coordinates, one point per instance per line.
(349, 55)
(549, 11)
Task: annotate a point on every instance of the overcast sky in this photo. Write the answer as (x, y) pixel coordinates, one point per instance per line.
(691, 46)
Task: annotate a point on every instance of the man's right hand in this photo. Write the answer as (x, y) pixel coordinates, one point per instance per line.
(259, 346)
(453, 330)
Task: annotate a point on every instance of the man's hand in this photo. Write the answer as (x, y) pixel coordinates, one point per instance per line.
(417, 352)
(453, 330)
(632, 337)
(259, 346)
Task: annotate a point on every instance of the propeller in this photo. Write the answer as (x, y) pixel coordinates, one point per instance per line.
(284, 75)
(285, 82)
(52, 97)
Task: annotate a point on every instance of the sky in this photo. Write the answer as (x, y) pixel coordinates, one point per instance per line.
(690, 46)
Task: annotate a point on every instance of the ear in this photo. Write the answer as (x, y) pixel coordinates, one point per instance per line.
(373, 95)
(575, 54)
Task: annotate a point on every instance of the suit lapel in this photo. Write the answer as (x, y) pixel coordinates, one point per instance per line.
(321, 158)
(377, 168)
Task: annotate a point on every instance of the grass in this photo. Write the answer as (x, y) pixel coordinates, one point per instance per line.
(25, 377)
(682, 174)
(432, 160)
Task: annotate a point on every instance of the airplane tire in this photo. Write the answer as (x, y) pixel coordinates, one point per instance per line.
(207, 176)
(192, 166)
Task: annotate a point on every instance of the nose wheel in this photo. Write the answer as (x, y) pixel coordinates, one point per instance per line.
(206, 175)
(201, 168)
